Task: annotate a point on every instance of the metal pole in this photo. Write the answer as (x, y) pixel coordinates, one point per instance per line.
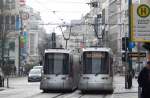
(130, 49)
(19, 62)
(3, 36)
(19, 71)
(66, 39)
(139, 88)
(126, 64)
(66, 43)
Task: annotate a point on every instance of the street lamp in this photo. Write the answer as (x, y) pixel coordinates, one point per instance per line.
(66, 38)
(19, 39)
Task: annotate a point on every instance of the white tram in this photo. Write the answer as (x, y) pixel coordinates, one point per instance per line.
(97, 71)
(61, 70)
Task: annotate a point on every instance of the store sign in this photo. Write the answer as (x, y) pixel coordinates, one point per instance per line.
(137, 54)
(140, 22)
(22, 2)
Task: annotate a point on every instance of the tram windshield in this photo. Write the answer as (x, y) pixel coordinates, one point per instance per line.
(56, 63)
(95, 63)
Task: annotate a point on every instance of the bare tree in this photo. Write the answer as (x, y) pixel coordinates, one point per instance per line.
(43, 44)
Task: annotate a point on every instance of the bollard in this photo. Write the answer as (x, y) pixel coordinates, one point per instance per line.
(139, 92)
(1, 82)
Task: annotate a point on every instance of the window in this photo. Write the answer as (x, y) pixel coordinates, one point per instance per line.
(1, 4)
(7, 19)
(1, 22)
(13, 4)
(56, 63)
(95, 63)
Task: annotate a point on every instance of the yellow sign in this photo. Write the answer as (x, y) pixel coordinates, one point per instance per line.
(136, 54)
(143, 10)
(140, 22)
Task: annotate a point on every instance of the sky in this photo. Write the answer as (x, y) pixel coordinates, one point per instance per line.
(54, 11)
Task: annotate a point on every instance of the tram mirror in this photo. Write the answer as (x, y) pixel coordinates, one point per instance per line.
(80, 60)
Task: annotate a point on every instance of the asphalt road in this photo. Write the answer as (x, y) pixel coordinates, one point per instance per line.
(20, 88)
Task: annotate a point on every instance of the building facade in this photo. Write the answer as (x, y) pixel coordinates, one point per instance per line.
(20, 34)
(88, 31)
(117, 27)
(9, 32)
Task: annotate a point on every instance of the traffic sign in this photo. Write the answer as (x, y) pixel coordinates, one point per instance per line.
(131, 45)
(137, 54)
(143, 10)
(140, 22)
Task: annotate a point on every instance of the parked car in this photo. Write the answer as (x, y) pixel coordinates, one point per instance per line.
(35, 75)
(1, 78)
(38, 67)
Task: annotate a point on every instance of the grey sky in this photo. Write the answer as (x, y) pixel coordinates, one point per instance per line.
(65, 9)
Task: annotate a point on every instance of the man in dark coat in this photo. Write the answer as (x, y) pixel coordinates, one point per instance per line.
(144, 81)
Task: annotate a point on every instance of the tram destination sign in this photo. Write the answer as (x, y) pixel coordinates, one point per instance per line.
(140, 22)
(137, 54)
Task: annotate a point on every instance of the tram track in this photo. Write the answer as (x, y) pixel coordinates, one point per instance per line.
(59, 95)
(124, 92)
(94, 96)
(80, 96)
(69, 95)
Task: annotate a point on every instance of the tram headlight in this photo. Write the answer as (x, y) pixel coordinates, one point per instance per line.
(105, 78)
(45, 78)
(65, 78)
(85, 77)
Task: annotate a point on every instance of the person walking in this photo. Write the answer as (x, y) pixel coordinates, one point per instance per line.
(144, 81)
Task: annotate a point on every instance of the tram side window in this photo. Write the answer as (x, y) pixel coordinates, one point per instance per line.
(111, 66)
(48, 66)
(105, 64)
(87, 67)
(65, 64)
(71, 65)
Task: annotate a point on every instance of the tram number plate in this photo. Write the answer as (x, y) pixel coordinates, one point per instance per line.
(95, 55)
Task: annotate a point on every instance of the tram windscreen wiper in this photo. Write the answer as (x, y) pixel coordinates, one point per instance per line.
(57, 74)
(96, 74)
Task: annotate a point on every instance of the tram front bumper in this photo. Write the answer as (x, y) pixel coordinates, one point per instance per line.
(95, 86)
(56, 85)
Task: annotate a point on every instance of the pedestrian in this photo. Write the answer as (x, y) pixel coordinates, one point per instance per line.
(144, 81)
(133, 73)
(129, 79)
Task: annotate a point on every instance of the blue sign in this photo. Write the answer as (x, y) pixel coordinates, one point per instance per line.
(131, 45)
(18, 23)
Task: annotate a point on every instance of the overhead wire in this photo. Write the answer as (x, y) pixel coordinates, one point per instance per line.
(54, 12)
(40, 3)
(69, 2)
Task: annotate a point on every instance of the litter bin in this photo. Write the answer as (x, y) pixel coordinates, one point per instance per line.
(1, 81)
(1, 78)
